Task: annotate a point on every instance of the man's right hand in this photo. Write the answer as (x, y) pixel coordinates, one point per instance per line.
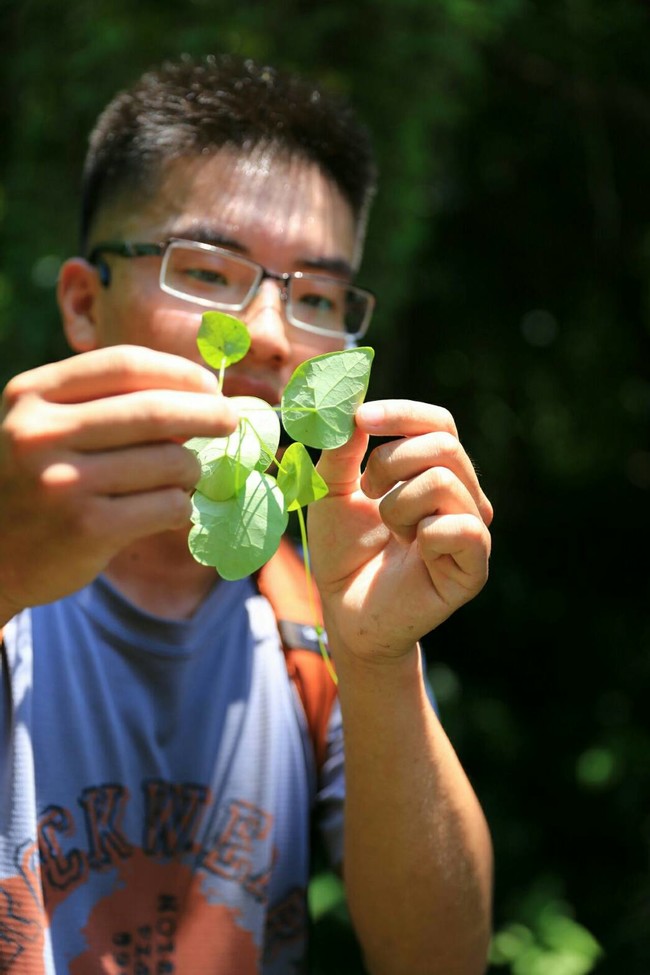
(91, 459)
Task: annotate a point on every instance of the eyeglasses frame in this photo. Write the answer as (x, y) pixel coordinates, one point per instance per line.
(162, 249)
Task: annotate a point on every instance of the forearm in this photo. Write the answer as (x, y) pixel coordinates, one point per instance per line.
(418, 859)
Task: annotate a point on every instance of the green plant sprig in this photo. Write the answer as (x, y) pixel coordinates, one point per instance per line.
(240, 511)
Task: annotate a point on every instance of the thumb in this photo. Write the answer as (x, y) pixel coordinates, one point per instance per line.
(340, 467)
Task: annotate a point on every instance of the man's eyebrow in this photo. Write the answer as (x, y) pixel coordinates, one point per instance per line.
(331, 265)
(206, 234)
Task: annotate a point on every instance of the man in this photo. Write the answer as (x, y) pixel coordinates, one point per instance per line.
(156, 785)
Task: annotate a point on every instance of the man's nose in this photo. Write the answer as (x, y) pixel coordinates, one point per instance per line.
(266, 320)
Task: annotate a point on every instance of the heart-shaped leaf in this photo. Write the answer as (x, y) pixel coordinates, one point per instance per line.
(239, 535)
(226, 461)
(222, 339)
(323, 394)
(298, 479)
(263, 420)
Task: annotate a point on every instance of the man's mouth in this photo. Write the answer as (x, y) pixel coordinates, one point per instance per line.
(246, 385)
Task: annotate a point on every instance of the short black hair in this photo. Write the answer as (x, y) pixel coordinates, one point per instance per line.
(189, 107)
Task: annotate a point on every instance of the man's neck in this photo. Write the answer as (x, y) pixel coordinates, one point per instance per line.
(159, 575)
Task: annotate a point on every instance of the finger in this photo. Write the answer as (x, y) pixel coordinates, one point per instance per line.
(406, 458)
(409, 418)
(123, 519)
(118, 421)
(106, 372)
(120, 472)
(403, 418)
(457, 545)
(434, 492)
(340, 468)
(148, 416)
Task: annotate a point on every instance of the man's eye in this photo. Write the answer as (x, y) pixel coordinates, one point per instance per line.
(206, 275)
(320, 302)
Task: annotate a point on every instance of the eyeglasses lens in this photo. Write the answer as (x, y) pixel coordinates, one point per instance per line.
(208, 276)
(214, 278)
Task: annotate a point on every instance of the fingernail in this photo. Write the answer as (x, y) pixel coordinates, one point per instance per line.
(371, 414)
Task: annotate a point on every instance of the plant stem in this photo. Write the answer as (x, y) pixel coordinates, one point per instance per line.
(222, 371)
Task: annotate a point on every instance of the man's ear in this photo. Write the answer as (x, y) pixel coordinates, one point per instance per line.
(78, 289)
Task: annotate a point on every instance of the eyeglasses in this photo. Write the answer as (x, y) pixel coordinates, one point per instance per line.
(216, 278)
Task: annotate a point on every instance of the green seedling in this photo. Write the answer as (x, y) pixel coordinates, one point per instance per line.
(239, 510)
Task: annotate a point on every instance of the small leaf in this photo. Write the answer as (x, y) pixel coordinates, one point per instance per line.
(239, 535)
(322, 396)
(222, 339)
(196, 444)
(298, 479)
(225, 462)
(265, 423)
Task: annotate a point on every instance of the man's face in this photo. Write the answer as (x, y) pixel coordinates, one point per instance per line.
(282, 213)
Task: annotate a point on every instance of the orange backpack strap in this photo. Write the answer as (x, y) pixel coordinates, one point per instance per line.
(284, 583)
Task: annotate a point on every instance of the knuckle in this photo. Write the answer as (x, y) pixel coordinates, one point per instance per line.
(23, 427)
(85, 517)
(71, 526)
(126, 360)
(478, 538)
(150, 403)
(17, 387)
(179, 507)
(447, 444)
(60, 477)
(382, 453)
(441, 478)
(448, 422)
(159, 407)
(476, 532)
(380, 464)
(94, 521)
(390, 509)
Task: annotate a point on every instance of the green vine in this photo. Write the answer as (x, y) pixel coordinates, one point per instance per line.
(239, 510)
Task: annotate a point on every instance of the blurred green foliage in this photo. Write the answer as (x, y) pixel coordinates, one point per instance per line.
(510, 251)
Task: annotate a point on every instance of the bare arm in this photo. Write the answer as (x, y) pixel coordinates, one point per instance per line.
(91, 458)
(417, 849)
(396, 552)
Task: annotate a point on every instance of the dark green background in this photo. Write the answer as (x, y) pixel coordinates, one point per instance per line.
(510, 251)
